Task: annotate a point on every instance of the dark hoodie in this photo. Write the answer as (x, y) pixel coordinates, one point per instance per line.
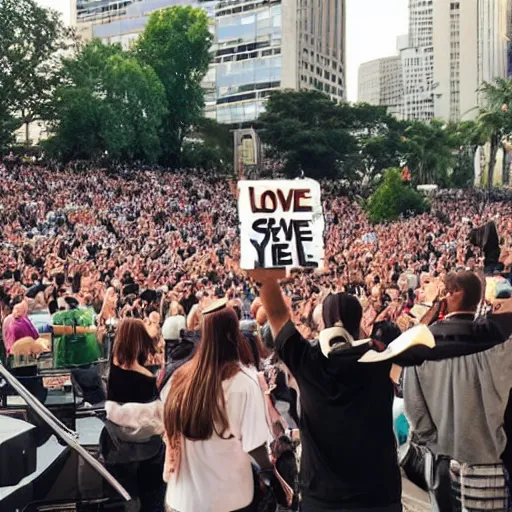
(486, 238)
(179, 352)
(349, 458)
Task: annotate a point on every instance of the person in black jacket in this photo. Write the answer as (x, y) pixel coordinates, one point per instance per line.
(487, 239)
(349, 458)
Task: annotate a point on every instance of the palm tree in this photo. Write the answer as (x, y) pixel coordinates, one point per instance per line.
(428, 151)
(495, 120)
(465, 138)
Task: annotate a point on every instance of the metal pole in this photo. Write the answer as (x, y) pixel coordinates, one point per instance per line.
(54, 424)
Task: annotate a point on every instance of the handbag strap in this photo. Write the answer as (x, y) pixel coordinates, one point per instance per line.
(262, 384)
(269, 406)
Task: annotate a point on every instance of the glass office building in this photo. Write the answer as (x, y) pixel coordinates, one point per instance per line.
(247, 59)
(259, 46)
(99, 11)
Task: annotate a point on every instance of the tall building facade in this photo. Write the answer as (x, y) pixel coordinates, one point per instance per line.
(476, 32)
(257, 47)
(321, 39)
(418, 63)
(248, 59)
(456, 58)
(453, 47)
(380, 83)
(494, 31)
(101, 11)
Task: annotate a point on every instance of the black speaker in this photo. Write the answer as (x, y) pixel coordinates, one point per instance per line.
(18, 450)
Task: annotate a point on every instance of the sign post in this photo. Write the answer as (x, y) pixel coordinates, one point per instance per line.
(247, 152)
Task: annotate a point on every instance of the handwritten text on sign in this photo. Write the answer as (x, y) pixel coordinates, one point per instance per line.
(281, 223)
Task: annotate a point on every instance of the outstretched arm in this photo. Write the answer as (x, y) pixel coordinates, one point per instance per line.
(272, 298)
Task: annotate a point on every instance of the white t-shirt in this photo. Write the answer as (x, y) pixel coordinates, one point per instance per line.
(216, 475)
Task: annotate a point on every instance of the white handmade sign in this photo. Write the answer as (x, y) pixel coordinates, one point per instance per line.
(281, 224)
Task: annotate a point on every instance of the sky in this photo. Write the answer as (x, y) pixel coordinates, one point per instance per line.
(64, 6)
(372, 29)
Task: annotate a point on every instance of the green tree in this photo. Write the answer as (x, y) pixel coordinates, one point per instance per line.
(212, 142)
(8, 124)
(379, 139)
(495, 120)
(109, 102)
(176, 44)
(428, 151)
(310, 132)
(394, 198)
(32, 40)
(465, 137)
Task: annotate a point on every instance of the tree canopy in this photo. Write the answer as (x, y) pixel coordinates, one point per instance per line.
(310, 132)
(176, 44)
(210, 146)
(108, 101)
(32, 41)
(324, 139)
(428, 152)
(495, 121)
(358, 142)
(393, 198)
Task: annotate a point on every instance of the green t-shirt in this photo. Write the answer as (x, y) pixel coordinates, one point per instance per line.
(75, 349)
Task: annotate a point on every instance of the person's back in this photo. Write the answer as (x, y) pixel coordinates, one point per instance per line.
(215, 474)
(346, 428)
(466, 391)
(458, 402)
(215, 422)
(349, 458)
(131, 443)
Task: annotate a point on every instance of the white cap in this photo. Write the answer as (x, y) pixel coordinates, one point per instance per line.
(172, 327)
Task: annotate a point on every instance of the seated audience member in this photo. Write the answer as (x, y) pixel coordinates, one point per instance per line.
(18, 327)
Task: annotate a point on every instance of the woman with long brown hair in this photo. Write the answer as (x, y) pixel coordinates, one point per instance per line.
(214, 421)
(131, 442)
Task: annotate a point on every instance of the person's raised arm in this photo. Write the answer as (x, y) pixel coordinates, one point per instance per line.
(272, 298)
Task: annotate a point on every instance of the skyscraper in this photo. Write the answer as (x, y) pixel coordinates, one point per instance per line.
(100, 11)
(454, 46)
(494, 30)
(321, 36)
(380, 83)
(470, 47)
(418, 63)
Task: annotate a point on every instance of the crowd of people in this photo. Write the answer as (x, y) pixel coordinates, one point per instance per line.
(154, 256)
(175, 236)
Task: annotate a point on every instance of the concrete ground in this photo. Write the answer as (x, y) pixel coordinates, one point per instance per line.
(414, 499)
